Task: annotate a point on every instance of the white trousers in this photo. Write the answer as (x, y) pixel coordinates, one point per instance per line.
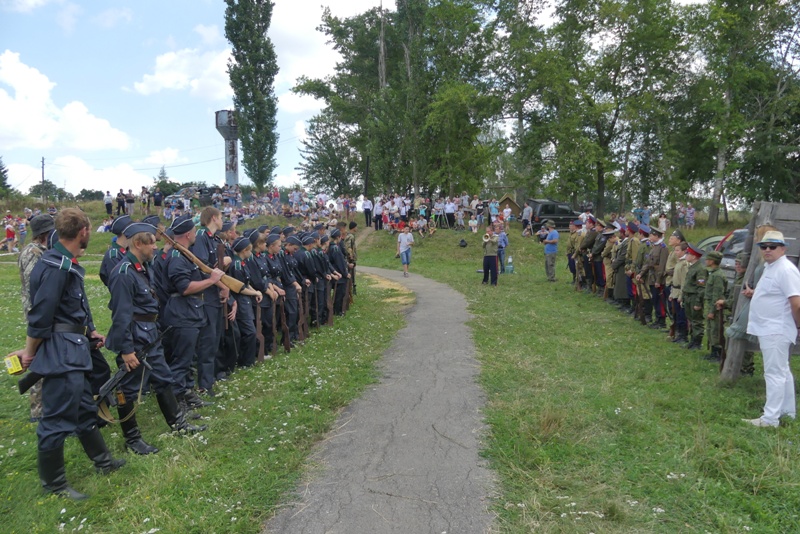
(779, 379)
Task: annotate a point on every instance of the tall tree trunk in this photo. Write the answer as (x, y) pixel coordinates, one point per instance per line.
(722, 162)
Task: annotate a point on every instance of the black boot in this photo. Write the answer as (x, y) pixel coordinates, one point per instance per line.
(714, 356)
(193, 400)
(96, 449)
(680, 336)
(133, 436)
(173, 414)
(186, 409)
(52, 474)
(696, 343)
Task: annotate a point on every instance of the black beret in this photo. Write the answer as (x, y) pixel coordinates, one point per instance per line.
(240, 243)
(155, 220)
(137, 228)
(353, 224)
(271, 238)
(119, 224)
(294, 240)
(182, 225)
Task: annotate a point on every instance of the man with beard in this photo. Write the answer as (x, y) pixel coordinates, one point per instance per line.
(57, 347)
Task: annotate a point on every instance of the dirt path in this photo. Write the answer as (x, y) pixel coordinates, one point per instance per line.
(404, 458)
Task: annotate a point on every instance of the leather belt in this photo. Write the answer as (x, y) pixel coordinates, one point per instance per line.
(199, 295)
(151, 318)
(66, 328)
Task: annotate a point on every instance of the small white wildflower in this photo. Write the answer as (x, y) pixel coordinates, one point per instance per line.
(146, 520)
(617, 411)
(658, 510)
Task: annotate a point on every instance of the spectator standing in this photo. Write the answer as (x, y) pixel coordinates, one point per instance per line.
(502, 244)
(663, 223)
(108, 200)
(130, 202)
(120, 203)
(158, 200)
(405, 241)
(22, 230)
(550, 250)
(527, 213)
(11, 236)
(367, 207)
(506, 215)
(690, 213)
(775, 319)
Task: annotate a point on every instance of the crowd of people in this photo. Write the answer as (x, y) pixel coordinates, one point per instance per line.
(211, 300)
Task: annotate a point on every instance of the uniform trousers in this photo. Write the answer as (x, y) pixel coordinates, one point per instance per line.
(338, 296)
(67, 407)
(292, 311)
(183, 342)
(246, 321)
(599, 273)
(160, 377)
(208, 346)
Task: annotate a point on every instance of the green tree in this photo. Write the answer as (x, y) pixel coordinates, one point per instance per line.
(90, 194)
(330, 163)
(5, 187)
(252, 72)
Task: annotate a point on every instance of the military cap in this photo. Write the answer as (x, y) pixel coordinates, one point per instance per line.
(741, 258)
(294, 240)
(182, 225)
(309, 240)
(324, 239)
(591, 218)
(137, 228)
(253, 236)
(271, 238)
(633, 227)
(119, 224)
(677, 233)
(714, 256)
(335, 233)
(549, 223)
(609, 231)
(577, 222)
(643, 228)
(694, 250)
(169, 232)
(319, 226)
(352, 225)
(42, 224)
(600, 222)
(240, 243)
(249, 232)
(287, 231)
(655, 230)
(263, 229)
(155, 220)
(227, 225)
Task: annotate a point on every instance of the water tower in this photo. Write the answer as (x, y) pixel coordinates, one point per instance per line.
(226, 126)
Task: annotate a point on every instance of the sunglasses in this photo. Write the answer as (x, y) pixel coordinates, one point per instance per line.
(768, 247)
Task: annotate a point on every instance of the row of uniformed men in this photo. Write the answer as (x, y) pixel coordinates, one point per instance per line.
(60, 323)
(633, 267)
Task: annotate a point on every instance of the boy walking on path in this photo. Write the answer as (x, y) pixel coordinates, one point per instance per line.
(404, 242)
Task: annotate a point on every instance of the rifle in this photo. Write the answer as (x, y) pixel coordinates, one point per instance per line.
(259, 332)
(105, 398)
(30, 379)
(301, 336)
(274, 348)
(230, 282)
(673, 317)
(221, 265)
(594, 276)
(316, 307)
(353, 283)
(348, 295)
(329, 302)
(722, 340)
(287, 342)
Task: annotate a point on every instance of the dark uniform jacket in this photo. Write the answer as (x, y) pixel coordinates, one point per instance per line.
(132, 296)
(182, 311)
(205, 248)
(111, 259)
(58, 298)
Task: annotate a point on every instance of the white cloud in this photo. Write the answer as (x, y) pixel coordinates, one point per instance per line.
(73, 174)
(203, 74)
(22, 6)
(293, 103)
(32, 120)
(288, 180)
(210, 34)
(67, 18)
(112, 17)
(167, 156)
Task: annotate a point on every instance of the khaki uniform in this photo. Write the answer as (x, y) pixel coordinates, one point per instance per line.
(607, 256)
(716, 289)
(693, 293)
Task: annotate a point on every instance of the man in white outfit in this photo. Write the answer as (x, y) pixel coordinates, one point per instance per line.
(775, 318)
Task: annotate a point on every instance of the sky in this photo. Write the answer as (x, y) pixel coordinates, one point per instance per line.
(109, 91)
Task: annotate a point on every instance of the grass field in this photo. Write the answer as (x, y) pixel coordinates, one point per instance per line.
(598, 424)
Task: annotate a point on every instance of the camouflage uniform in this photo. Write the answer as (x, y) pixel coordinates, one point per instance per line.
(716, 289)
(693, 290)
(29, 257)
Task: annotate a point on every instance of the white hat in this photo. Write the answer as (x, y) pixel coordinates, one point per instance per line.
(773, 236)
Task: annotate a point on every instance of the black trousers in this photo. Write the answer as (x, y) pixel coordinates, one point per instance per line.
(67, 407)
(368, 217)
(490, 267)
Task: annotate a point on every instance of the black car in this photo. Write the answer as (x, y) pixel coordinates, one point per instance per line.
(559, 212)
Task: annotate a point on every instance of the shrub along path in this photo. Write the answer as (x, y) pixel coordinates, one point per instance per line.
(404, 457)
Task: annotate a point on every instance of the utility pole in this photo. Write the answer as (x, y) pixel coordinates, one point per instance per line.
(44, 191)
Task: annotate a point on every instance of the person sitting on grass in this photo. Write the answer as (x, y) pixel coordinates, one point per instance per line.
(422, 227)
(473, 224)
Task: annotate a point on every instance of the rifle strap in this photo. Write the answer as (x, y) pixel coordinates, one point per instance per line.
(104, 411)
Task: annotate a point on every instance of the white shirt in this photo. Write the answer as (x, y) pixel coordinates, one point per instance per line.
(404, 239)
(770, 311)
(506, 213)
(367, 204)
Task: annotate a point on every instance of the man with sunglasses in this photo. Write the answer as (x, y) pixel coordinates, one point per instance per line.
(775, 318)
